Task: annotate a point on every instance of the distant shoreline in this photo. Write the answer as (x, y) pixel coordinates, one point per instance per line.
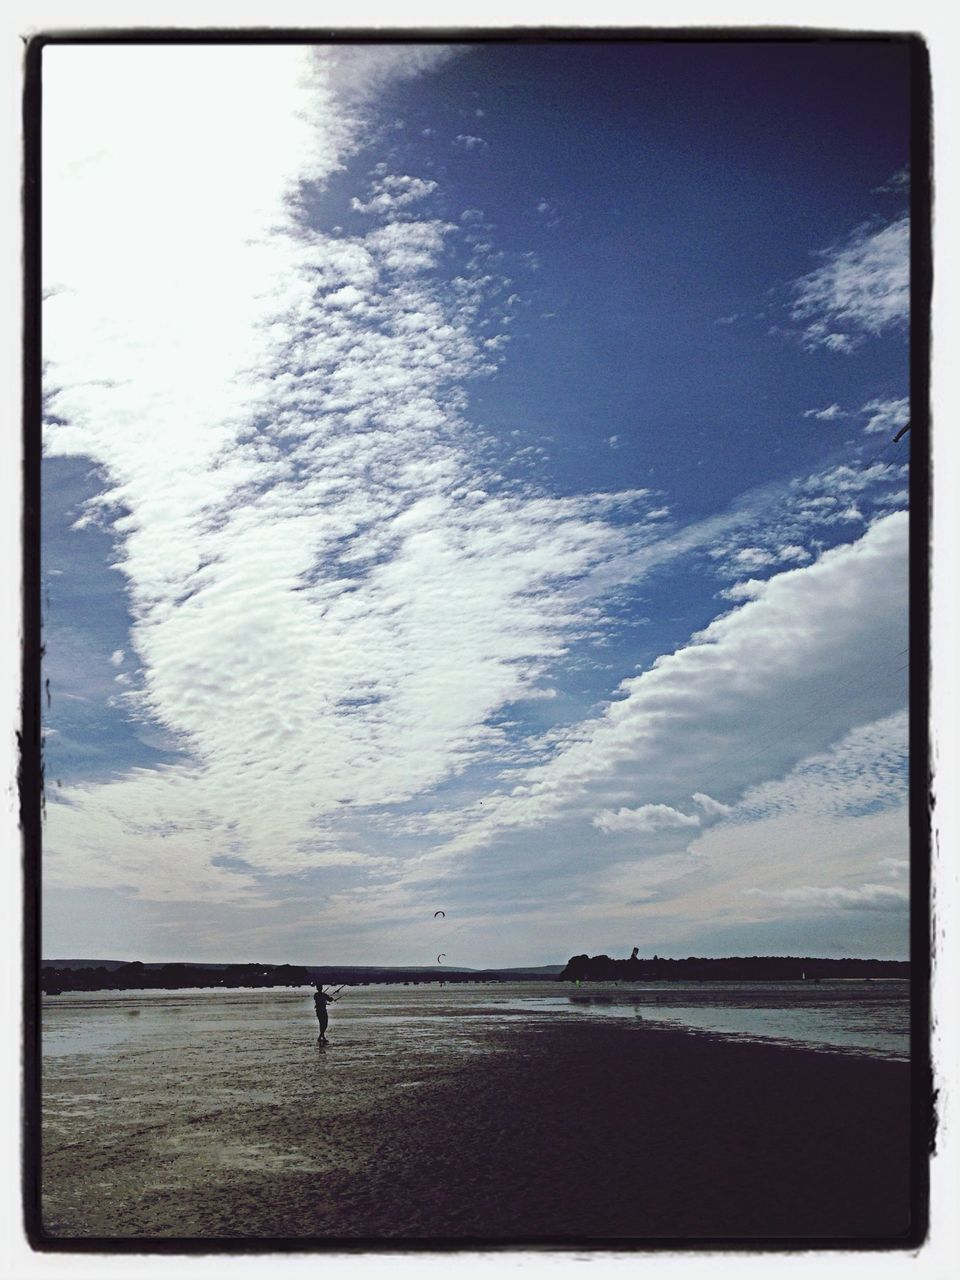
(81, 975)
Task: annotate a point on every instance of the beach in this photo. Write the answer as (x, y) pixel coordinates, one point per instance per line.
(503, 1129)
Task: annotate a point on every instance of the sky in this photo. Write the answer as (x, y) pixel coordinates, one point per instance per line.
(469, 485)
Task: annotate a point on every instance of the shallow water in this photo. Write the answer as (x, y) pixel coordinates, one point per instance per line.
(843, 1016)
(870, 1018)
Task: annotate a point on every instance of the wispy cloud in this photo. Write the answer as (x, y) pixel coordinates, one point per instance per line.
(886, 415)
(898, 182)
(549, 212)
(860, 289)
(865, 897)
(829, 414)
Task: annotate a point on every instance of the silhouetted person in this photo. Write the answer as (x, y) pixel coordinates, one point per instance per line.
(320, 1001)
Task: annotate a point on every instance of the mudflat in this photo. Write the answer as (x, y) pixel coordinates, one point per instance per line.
(571, 1131)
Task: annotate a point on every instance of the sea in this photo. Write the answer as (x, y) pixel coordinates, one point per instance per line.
(869, 1018)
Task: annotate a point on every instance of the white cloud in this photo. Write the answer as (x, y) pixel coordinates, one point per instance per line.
(844, 479)
(773, 526)
(898, 498)
(649, 817)
(539, 695)
(710, 806)
(751, 558)
(750, 589)
(799, 555)
(359, 73)
(832, 496)
(117, 657)
(861, 288)
(469, 142)
(394, 191)
(408, 247)
(886, 415)
(829, 414)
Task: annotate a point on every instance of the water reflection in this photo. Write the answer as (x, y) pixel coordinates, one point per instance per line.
(849, 1016)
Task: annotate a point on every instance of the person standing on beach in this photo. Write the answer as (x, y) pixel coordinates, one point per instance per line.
(320, 1001)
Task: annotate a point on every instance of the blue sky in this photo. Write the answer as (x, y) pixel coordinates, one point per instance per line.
(469, 484)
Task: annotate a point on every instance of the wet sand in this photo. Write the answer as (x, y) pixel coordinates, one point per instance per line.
(566, 1132)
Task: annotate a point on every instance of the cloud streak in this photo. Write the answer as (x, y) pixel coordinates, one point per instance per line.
(860, 289)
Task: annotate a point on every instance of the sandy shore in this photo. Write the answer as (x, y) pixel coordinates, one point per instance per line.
(572, 1132)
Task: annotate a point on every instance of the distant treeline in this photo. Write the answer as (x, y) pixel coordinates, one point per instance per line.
(170, 977)
(77, 975)
(730, 968)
